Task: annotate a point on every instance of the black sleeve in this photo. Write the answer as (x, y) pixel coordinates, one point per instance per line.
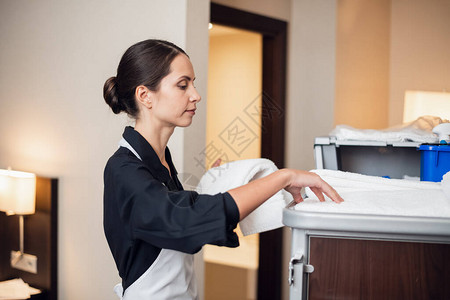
(177, 220)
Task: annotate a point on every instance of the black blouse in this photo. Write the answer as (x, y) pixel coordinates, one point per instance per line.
(146, 209)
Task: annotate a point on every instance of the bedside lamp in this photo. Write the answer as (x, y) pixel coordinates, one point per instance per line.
(18, 197)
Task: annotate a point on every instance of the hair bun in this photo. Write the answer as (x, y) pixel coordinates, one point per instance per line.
(110, 95)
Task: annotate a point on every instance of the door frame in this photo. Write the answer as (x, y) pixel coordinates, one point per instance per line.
(274, 34)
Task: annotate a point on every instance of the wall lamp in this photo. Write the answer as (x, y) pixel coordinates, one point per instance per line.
(18, 197)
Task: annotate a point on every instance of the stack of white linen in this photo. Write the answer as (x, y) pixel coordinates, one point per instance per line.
(407, 134)
(381, 196)
(419, 130)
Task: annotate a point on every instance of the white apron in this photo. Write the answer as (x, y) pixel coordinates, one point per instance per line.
(171, 276)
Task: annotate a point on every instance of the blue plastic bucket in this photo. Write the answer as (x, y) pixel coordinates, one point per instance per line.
(434, 162)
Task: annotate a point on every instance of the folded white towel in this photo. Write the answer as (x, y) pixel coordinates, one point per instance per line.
(267, 216)
(347, 181)
(379, 196)
(407, 134)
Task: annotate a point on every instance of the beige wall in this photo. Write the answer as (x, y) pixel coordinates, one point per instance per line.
(311, 78)
(420, 50)
(384, 48)
(362, 63)
(55, 57)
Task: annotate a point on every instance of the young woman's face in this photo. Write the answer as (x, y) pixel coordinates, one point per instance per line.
(174, 104)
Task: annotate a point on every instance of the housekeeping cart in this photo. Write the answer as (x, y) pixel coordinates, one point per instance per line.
(365, 256)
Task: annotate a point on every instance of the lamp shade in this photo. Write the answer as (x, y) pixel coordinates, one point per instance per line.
(17, 192)
(421, 103)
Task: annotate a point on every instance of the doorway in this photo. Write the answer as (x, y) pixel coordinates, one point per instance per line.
(233, 133)
(272, 111)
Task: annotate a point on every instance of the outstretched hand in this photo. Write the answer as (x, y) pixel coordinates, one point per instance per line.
(216, 163)
(300, 179)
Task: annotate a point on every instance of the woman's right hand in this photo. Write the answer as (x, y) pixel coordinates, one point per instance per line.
(251, 195)
(300, 179)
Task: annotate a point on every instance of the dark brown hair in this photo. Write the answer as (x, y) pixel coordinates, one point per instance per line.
(145, 63)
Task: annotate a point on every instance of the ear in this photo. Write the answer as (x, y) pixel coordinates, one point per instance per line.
(143, 96)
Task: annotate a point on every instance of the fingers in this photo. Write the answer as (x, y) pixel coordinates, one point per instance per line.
(317, 185)
(332, 194)
(318, 194)
(216, 163)
(298, 198)
(328, 190)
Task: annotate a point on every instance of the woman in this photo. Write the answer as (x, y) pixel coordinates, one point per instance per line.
(152, 225)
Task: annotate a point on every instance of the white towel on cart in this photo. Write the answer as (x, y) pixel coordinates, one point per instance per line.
(267, 216)
(347, 181)
(379, 196)
(347, 133)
